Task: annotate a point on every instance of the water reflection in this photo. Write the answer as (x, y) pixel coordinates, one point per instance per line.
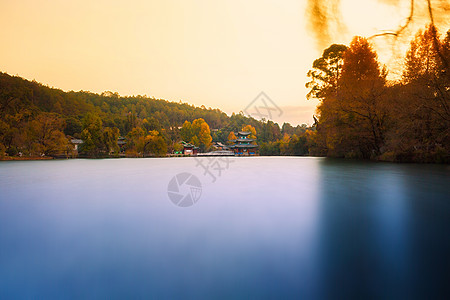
(267, 228)
(372, 232)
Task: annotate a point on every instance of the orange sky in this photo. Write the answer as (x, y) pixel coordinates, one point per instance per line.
(217, 53)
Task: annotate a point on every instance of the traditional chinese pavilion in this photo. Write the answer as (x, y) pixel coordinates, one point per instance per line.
(244, 145)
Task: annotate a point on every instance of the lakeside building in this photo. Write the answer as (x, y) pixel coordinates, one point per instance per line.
(244, 145)
(76, 143)
(189, 149)
(220, 146)
(122, 142)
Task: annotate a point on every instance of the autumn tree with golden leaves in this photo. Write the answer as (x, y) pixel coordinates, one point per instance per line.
(361, 114)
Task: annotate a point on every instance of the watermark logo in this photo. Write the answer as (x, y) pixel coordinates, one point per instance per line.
(263, 107)
(213, 166)
(184, 189)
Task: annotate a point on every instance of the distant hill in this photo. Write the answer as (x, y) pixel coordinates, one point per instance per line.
(26, 105)
(17, 93)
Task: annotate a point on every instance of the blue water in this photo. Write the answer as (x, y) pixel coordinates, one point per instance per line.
(278, 227)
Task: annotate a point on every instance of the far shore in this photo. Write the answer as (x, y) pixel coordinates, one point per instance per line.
(12, 158)
(34, 158)
(22, 158)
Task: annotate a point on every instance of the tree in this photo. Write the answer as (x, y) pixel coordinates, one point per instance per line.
(325, 72)
(270, 131)
(324, 76)
(298, 145)
(231, 137)
(186, 131)
(201, 135)
(195, 141)
(250, 128)
(284, 145)
(2, 151)
(360, 98)
(134, 137)
(92, 135)
(110, 138)
(73, 126)
(287, 128)
(151, 124)
(423, 114)
(352, 119)
(204, 136)
(154, 144)
(46, 134)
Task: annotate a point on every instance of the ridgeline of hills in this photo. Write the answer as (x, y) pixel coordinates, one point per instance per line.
(37, 120)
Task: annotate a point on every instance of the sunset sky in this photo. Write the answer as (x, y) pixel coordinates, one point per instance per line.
(220, 54)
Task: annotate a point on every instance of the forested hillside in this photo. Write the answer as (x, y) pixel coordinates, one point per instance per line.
(37, 120)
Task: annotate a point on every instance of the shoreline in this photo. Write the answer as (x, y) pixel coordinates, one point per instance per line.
(18, 158)
(36, 158)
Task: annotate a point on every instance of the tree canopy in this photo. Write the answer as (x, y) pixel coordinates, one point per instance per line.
(361, 114)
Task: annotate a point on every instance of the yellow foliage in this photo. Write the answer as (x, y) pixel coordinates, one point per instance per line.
(250, 128)
(232, 136)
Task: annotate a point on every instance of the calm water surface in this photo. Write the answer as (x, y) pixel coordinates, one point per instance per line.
(281, 227)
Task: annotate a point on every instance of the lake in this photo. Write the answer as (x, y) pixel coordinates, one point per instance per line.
(221, 228)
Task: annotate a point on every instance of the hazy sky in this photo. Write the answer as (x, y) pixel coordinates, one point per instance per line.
(217, 53)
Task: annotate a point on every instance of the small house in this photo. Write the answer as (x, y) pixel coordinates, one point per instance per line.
(189, 149)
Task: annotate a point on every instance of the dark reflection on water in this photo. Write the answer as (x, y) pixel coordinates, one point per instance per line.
(384, 230)
(267, 228)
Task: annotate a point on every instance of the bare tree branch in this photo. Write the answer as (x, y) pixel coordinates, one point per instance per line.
(430, 12)
(402, 28)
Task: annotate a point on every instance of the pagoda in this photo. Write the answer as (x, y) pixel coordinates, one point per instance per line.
(244, 145)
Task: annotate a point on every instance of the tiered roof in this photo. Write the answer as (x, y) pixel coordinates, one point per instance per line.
(189, 145)
(244, 133)
(242, 138)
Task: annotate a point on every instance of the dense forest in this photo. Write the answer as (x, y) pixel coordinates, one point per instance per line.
(363, 115)
(37, 120)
